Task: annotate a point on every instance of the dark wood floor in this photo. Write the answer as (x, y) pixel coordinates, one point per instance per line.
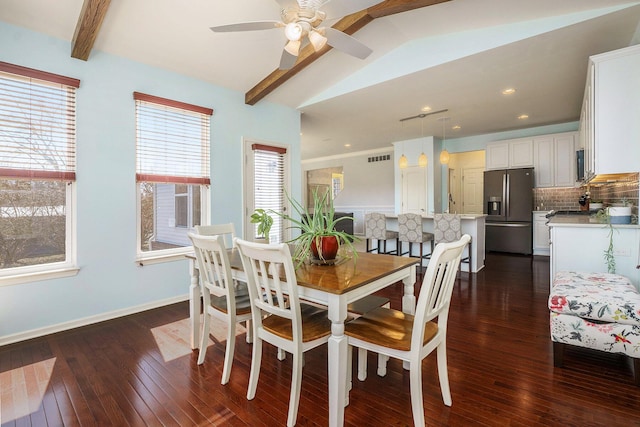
(139, 370)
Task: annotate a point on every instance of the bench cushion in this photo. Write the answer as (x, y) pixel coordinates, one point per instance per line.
(601, 297)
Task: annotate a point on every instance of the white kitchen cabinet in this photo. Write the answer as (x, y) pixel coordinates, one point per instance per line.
(554, 160)
(580, 246)
(509, 154)
(609, 126)
(540, 234)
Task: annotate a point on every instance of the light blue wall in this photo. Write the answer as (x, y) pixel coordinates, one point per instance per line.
(109, 280)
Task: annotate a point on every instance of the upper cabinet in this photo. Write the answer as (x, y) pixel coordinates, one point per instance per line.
(609, 125)
(509, 154)
(554, 160)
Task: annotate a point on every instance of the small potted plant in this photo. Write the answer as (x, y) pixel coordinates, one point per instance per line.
(264, 221)
(620, 212)
(319, 240)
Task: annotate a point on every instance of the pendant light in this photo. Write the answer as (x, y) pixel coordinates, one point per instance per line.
(444, 154)
(422, 160)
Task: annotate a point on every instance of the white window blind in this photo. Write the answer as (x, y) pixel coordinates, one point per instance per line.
(37, 124)
(172, 141)
(269, 184)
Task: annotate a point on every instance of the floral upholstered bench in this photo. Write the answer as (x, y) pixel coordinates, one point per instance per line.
(595, 310)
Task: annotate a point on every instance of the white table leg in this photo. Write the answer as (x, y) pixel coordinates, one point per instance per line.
(337, 355)
(195, 305)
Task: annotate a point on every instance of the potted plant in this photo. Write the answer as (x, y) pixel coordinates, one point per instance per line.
(620, 212)
(264, 221)
(318, 240)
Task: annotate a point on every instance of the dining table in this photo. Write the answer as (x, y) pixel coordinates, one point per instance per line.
(335, 286)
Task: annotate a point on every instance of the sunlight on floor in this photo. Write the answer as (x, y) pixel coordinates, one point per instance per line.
(173, 339)
(22, 389)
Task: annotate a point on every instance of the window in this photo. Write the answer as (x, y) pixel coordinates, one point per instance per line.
(37, 171)
(172, 173)
(268, 185)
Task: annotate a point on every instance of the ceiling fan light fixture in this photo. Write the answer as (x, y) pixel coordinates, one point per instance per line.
(293, 47)
(293, 31)
(317, 40)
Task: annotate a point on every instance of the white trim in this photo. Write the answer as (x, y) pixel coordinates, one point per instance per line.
(167, 257)
(35, 333)
(344, 155)
(36, 276)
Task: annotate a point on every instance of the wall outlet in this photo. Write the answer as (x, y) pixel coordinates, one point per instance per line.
(622, 252)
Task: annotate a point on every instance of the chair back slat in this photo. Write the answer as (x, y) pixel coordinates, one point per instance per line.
(271, 280)
(214, 266)
(437, 287)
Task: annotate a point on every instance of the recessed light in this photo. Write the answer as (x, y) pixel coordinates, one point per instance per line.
(347, 145)
(523, 116)
(425, 109)
(509, 91)
(456, 127)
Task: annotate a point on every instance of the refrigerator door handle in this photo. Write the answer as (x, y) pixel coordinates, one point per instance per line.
(507, 196)
(505, 201)
(509, 224)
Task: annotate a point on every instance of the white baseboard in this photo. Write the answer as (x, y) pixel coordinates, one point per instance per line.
(65, 326)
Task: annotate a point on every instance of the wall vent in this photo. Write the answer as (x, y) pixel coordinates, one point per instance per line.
(379, 158)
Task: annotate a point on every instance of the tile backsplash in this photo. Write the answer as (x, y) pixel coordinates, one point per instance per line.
(566, 199)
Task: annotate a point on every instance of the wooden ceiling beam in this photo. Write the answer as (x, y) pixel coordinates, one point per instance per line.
(349, 25)
(88, 26)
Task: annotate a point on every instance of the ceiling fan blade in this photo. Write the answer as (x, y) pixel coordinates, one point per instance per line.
(340, 8)
(247, 26)
(287, 60)
(345, 43)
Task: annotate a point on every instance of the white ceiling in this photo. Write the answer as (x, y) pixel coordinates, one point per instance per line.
(457, 55)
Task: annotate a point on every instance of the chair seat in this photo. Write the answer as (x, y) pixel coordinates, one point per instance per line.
(388, 328)
(366, 304)
(315, 324)
(243, 304)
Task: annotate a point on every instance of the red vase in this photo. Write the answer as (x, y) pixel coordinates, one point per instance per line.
(328, 248)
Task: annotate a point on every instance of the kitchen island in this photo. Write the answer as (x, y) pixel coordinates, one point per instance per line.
(578, 243)
(471, 224)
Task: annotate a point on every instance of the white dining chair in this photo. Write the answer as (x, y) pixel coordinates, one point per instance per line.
(279, 317)
(220, 296)
(228, 230)
(411, 338)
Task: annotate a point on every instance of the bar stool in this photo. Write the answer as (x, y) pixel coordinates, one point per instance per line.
(410, 231)
(447, 228)
(375, 227)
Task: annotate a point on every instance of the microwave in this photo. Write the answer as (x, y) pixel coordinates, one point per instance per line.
(580, 165)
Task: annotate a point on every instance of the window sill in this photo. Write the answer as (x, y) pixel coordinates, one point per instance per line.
(38, 276)
(162, 258)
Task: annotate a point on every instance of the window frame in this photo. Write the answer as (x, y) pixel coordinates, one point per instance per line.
(171, 254)
(68, 267)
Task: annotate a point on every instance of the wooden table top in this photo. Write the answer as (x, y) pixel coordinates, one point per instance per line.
(347, 274)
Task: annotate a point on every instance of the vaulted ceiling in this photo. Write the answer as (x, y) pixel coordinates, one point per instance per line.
(456, 55)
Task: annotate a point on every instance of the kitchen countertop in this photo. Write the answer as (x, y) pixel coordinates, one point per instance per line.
(462, 216)
(582, 221)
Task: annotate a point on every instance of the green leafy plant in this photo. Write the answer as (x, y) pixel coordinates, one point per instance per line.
(264, 221)
(609, 257)
(315, 225)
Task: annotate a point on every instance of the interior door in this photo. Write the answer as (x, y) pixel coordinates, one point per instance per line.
(472, 186)
(414, 190)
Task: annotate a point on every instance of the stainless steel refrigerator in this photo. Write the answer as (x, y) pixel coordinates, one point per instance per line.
(508, 203)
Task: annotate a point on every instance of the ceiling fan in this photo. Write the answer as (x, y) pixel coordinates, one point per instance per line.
(301, 21)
